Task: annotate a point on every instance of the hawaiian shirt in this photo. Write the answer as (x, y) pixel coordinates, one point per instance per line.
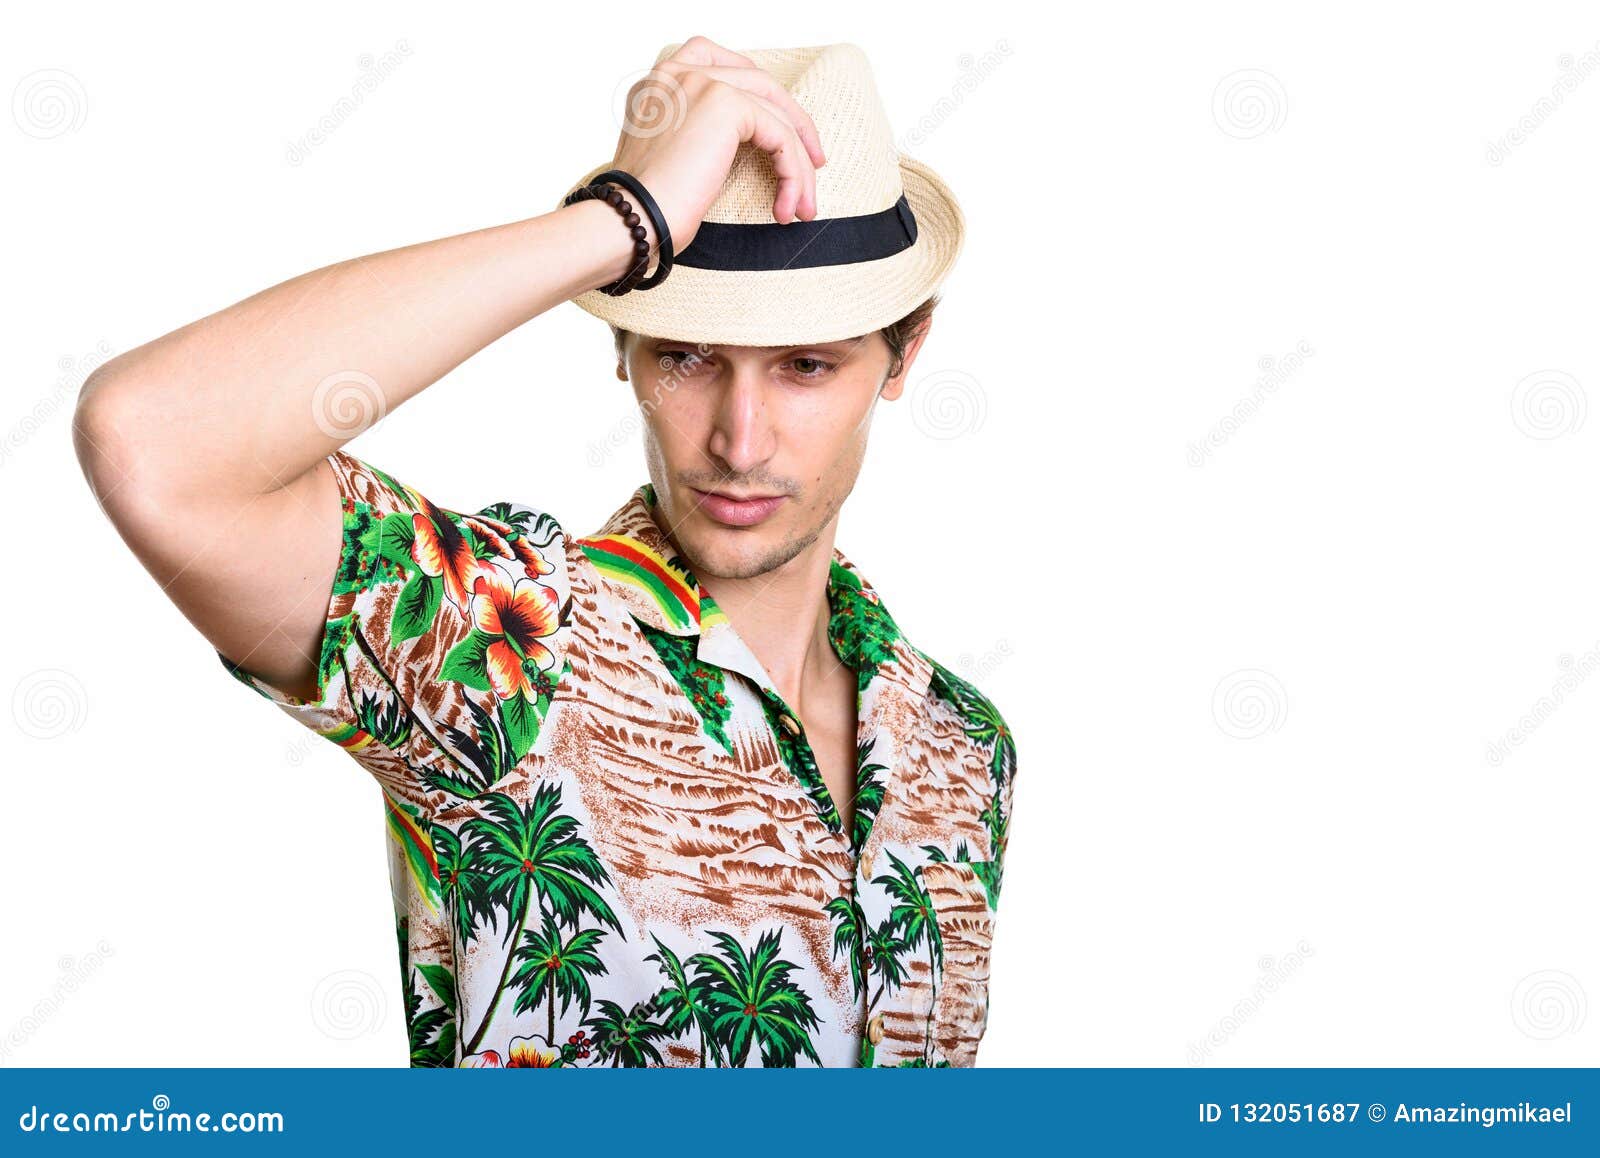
(610, 843)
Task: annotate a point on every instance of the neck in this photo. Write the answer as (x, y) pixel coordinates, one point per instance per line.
(782, 617)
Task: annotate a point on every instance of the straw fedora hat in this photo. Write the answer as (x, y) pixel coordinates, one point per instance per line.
(887, 229)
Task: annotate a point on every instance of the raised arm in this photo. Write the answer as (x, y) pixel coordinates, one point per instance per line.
(206, 447)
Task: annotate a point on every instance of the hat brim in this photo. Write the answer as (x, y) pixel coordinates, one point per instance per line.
(783, 307)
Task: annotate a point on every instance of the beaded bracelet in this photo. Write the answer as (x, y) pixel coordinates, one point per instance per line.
(599, 190)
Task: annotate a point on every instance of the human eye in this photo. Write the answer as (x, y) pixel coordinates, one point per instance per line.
(810, 368)
(675, 359)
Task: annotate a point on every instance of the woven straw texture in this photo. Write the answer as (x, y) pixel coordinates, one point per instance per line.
(864, 174)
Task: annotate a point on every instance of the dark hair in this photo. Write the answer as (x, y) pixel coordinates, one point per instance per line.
(897, 335)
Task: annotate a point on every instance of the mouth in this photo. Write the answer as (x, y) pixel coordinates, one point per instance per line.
(736, 511)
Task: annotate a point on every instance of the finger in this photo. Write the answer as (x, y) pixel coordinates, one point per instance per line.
(805, 205)
(776, 136)
(699, 50)
(761, 83)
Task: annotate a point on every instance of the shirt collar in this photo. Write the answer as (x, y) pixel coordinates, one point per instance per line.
(644, 571)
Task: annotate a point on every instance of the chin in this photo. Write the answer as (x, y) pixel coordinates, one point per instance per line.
(724, 552)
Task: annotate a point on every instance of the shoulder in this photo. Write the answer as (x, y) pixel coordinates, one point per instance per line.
(981, 718)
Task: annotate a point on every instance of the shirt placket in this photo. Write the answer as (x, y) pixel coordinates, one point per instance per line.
(721, 645)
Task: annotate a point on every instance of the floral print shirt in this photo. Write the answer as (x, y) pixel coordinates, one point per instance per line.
(610, 840)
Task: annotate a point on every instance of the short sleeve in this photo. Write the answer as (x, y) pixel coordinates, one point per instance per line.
(433, 614)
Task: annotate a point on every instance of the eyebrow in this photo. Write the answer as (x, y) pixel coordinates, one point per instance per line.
(840, 346)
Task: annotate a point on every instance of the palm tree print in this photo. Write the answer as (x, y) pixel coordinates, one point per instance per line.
(913, 916)
(752, 1001)
(465, 896)
(849, 936)
(386, 721)
(432, 1035)
(987, 871)
(869, 792)
(872, 952)
(681, 1001)
(626, 1039)
(983, 721)
(551, 967)
(528, 852)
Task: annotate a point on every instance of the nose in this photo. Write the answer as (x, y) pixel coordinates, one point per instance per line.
(742, 434)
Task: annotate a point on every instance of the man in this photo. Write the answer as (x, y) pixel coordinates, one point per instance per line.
(678, 792)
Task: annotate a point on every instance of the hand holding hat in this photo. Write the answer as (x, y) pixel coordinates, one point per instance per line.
(686, 120)
(776, 241)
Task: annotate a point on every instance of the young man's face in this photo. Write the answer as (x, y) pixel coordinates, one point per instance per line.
(786, 425)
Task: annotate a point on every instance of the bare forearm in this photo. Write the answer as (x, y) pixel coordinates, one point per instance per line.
(249, 398)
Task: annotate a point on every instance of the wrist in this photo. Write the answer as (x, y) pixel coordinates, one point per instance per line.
(614, 237)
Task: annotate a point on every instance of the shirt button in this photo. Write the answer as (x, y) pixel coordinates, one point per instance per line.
(875, 1029)
(790, 724)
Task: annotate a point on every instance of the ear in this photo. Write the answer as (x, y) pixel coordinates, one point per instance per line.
(893, 387)
(622, 372)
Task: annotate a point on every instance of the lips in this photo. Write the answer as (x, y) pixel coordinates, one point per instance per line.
(737, 512)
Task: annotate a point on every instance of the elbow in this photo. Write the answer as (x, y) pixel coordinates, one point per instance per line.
(99, 423)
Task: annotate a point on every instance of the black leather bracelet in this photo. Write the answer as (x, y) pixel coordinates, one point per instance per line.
(634, 278)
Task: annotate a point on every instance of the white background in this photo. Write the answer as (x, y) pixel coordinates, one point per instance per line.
(1315, 862)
